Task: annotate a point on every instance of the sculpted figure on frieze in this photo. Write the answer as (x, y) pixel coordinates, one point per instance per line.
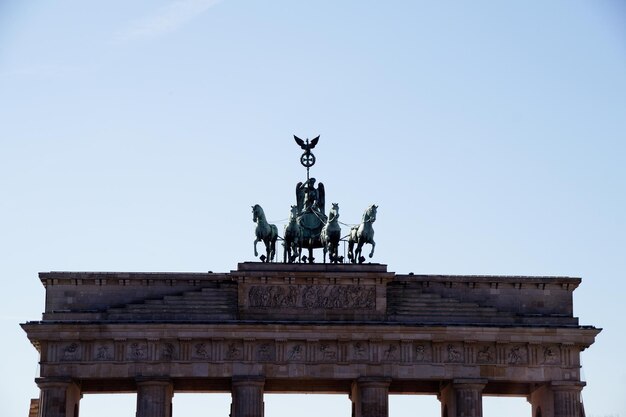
(517, 355)
(485, 355)
(102, 353)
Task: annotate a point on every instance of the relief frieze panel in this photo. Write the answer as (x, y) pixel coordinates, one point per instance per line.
(327, 351)
(137, 351)
(359, 351)
(168, 351)
(201, 350)
(422, 352)
(71, 352)
(391, 352)
(485, 354)
(234, 350)
(265, 351)
(454, 353)
(103, 351)
(295, 352)
(339, 351)
(517, 355)
(551, 355)
(312, 296)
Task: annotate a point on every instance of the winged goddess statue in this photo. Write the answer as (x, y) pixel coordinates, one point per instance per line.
(309, 198)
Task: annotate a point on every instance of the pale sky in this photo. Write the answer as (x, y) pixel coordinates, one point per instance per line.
(135, 136)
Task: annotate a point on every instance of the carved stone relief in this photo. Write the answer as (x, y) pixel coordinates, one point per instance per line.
(320, 351)
(327, 351)
(168, 351)
(201, 350)
(485, 354)
(422, 352)
(234, 351)
(273, 296)
(517, 355)
(137, 351)
(71, 352)
(551, 355)
(391, 352)
(454, 353)
(359, 351)
(265, 352)
(103, 352)
(295, 352)
(312, 296)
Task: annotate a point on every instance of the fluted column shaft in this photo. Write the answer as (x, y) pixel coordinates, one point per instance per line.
(567, 401)
(59, 397)
(154, 397)
(462, 398)
(557, 399)
(469, 400)
(247, 397)
(370, 397)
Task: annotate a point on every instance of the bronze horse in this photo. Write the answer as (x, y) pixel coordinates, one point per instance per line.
(362, 234)
(265, 232)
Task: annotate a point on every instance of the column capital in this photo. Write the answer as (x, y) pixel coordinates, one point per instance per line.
(567, 385)
(153, 380)
(59, 396)
(255, 380)
(374, 381)
(55, 381)
(475, 383)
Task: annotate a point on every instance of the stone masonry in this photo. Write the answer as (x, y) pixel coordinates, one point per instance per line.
(353, 329)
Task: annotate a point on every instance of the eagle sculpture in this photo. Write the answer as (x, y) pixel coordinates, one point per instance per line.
(307, 146)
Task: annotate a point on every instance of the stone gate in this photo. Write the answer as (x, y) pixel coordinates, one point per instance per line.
(355, 329)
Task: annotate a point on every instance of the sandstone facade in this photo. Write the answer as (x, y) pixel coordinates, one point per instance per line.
(353, 329)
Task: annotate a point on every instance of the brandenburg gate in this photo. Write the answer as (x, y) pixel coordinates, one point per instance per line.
(353, 328)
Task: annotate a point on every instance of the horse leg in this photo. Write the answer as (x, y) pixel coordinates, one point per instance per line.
(373, 247)
(293, 252)
(350, 250)
(298, 249)
(358, 251)
(267, 250)
(272, 250)
(255, 242)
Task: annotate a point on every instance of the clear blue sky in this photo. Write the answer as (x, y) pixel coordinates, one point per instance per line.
(135, 136)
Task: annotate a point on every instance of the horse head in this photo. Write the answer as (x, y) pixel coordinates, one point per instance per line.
(334, 213)
(370, 214)
(257, 212)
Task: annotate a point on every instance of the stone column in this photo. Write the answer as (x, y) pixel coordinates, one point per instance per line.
(247, 393)
(542, 402)
(558, 399)
(370, 397)
(59, 397)
(567, 398)
(154, 397)
(462, 398)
